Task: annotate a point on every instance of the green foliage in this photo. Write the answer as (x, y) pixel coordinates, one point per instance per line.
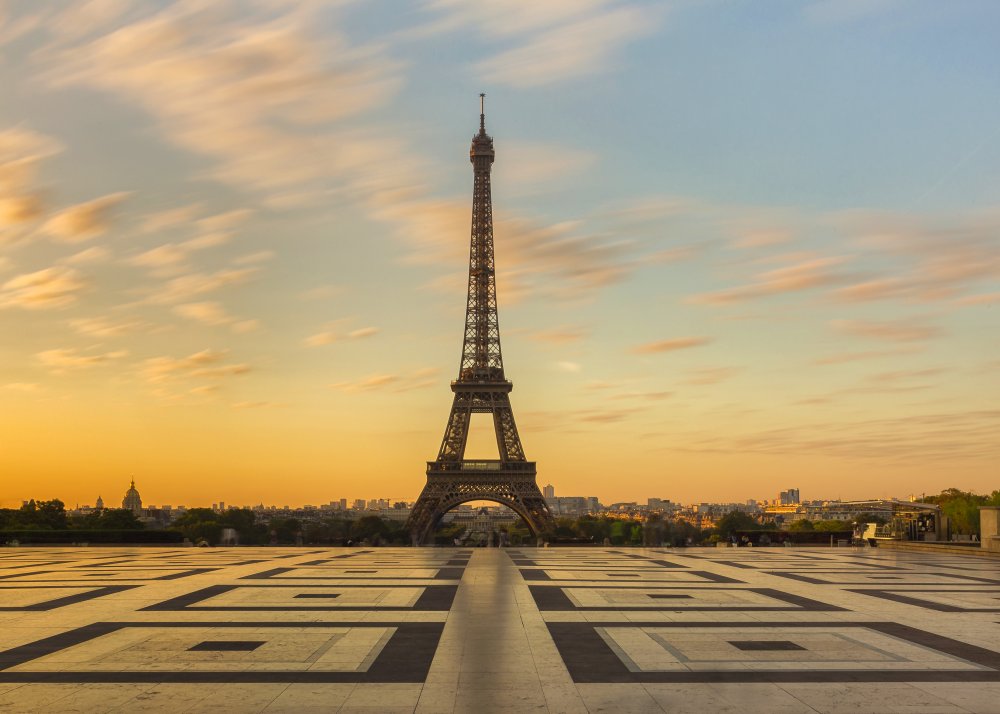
(205, 524)
(108, 519)
(566, 527)
(370, 528)
(870, 518)
(733, 522)
(803, 524)
(832, 525)
(35, 515)
(961, 508)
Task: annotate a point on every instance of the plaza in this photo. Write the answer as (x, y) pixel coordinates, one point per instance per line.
(764, 630)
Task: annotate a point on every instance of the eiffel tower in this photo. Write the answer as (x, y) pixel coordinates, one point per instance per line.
(481, 388)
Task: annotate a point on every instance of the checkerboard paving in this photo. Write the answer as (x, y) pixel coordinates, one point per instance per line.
(519, 629)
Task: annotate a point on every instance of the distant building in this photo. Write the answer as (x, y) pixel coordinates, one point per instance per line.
(99, 506)
(789, 497)
(132, 501)
(549, 491)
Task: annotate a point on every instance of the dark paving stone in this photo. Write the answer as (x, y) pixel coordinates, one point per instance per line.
(764, 645)
(226, 646)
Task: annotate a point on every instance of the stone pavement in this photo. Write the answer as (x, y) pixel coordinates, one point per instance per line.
(767, 630)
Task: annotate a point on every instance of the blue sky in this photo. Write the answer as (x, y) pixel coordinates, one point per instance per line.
(742, 246)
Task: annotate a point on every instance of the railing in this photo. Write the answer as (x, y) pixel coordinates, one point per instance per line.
(485, 466)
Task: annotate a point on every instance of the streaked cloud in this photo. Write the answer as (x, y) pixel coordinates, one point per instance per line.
(84, 221)
(271, 129)
(710, 375)
(204, 364)
(842, 357)
(107, 327)
(186, 287)
(207, 313)
(21, 197)
(559, 335)
(401, 382)
(939, 258)
(552, 42)
(334, 333)
(44, 289)
(670, 345)
(806, 275)
(61, 360)
(88, 256)
(23, 386)
(947, 437)
(898, 331)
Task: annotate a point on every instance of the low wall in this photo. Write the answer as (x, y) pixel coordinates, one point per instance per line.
(938, 547)
(95, 537)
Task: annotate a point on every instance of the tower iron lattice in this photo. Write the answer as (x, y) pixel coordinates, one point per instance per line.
(481, 388)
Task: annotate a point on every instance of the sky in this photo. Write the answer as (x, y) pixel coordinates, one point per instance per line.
(741, 246)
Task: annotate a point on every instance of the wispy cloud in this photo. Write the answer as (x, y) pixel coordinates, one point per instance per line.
(251, 88)
(397, 382)
(806, 275)
(61, 360)
(670, 345)
(23, 386)
(914, 438)
(842, 357)
(937, 258)
(207, 313)
(186, 287)
(205, 364)
(107, 327)
(710, 375)
(21, 199)
(559, 335)
(898, 331)
(334, 333)
(89, 256)
(44, 289)
(553, 41)
(84, 221)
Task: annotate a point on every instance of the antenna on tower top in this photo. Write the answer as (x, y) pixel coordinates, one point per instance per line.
(482, 112)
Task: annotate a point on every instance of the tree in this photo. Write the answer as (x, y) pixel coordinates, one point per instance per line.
(118, 519)
(369, 528)
(37, 515)
(832, 525)
(961, 508)
(735, 521)
(803, 524)
(870, 518)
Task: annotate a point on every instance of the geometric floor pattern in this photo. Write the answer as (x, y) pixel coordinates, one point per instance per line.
(768, 630)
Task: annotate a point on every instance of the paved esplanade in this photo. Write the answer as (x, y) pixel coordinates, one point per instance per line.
(522, 629)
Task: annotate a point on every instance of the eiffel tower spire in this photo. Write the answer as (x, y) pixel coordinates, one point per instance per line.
(481, 387)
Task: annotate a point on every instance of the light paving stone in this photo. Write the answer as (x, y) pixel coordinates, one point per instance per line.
(611, 630)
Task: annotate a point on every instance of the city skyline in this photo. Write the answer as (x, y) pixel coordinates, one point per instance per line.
(233, 244)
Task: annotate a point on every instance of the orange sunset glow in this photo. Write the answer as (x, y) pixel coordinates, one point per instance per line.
(731, 257)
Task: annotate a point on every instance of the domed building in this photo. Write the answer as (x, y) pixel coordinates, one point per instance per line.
(132, 501)
(100, 504)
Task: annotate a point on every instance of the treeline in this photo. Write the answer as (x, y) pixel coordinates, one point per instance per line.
(204, 524)
(51, 516)
(961, 508)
